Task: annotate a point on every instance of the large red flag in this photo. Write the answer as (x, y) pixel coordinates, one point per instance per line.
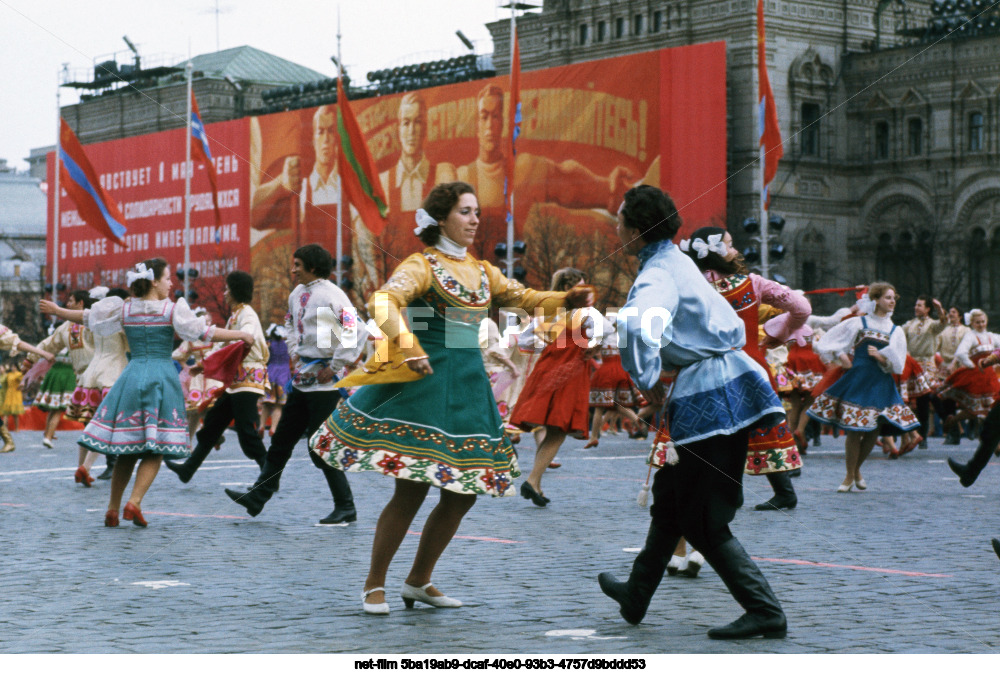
(79, 179)
(514, 123)
(770, 134)
(358, 176)
(199, 146)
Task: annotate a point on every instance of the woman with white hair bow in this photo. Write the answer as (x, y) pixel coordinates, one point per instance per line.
(108, 361)
(142, 417)
(974, 389)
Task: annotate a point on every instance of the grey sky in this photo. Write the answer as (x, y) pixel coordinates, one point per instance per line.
(38, 36)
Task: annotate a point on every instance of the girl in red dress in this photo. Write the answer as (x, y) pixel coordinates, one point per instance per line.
(556, 395)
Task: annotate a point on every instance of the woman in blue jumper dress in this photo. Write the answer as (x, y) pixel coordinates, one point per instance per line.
(866, 396)
(142, 418)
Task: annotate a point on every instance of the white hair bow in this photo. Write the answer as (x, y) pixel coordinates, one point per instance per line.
(424, 220)
(866, 305)
(99, 292)
(715, 244)
(140, 273)
(968, 315)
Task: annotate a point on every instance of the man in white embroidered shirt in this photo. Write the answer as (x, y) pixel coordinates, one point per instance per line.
(312, 398)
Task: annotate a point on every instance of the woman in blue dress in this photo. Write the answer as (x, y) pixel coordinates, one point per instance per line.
(142, 419)
(866, 396)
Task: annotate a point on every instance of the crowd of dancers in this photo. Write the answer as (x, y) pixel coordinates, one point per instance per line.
(444, 405)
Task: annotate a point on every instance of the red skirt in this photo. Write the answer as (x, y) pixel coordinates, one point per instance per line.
(832, 376)
(557, 393)
(914, 381)
(804, 367)
(974, 390)
(610, 383)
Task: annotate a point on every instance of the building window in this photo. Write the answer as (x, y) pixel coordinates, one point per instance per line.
(584, 33)
(657, 21)
(977, 255)
(915, 137)
(810, 276)
(637, 24)
(884, 257)
(881, 140)
(602, 31)
(810, 130)
(619, 27)
(976, 132)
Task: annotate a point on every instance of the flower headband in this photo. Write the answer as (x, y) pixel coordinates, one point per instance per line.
(140, 273)
(99, 292)
(424, 220)
(969, 315)
(715, 244)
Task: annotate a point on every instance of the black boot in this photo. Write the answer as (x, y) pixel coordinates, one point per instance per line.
(343, 500)
(996, 546)
(988, 440)
(764, 616)
(261, 491)
(187, 469)
(109, 468)
(784, 493)
(647, 571)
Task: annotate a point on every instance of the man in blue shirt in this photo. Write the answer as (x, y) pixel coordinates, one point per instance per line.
(674, 319)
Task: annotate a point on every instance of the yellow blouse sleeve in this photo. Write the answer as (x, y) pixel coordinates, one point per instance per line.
(411, 279)
(509, 292)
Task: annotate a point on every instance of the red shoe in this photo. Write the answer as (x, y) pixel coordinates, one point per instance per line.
(83, 477)
(111, 518)
(133, 514)
(909, 446)
(553, 465)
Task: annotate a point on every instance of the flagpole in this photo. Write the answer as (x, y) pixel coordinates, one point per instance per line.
(340, 182)
(510, 187)
(55, 197)
(762, 153)
(187, 185)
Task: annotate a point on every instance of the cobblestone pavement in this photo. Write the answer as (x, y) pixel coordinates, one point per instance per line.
(904, 567)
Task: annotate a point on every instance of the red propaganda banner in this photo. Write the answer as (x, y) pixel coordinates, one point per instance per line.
(589, 132)
(145, 176)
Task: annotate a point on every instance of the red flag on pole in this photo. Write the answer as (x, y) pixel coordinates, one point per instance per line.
(357, 168)
(79, 179)
(199, 147)
(769, 133)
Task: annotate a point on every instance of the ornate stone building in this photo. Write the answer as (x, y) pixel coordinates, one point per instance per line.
(892, 133)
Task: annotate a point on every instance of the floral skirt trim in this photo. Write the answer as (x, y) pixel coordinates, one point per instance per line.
(915, 386)
(979, 405)
(849, 416)
(804, 381)
(352, 442)
(772, 450)
(606, 398)
(274, 394)
(85, 402)
(140, 432)
(49, 401)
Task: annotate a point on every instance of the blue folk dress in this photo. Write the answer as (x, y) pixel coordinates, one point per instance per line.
(866, 396)
(144, 410)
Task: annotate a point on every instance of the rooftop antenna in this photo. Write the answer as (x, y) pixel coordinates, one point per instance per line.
(466, 41)
(132, 48)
